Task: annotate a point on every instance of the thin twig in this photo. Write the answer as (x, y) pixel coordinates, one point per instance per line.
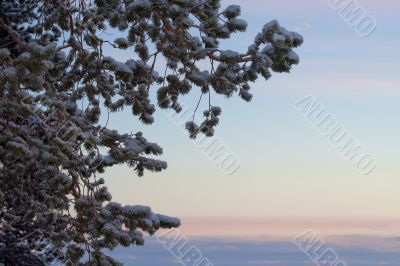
(198, 103)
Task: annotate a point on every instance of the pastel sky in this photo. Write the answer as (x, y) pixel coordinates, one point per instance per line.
(288, 170)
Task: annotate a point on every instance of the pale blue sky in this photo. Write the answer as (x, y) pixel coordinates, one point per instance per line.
(287, 168)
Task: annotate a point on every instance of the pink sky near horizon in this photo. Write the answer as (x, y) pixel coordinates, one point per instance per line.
(284, 228)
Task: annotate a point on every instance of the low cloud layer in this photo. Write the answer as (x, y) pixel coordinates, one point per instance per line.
(244, 252)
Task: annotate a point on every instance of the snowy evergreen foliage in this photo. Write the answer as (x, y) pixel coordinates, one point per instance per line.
(52, 58)
(26, 245)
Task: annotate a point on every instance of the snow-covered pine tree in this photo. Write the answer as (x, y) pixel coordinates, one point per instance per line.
(52, 57)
